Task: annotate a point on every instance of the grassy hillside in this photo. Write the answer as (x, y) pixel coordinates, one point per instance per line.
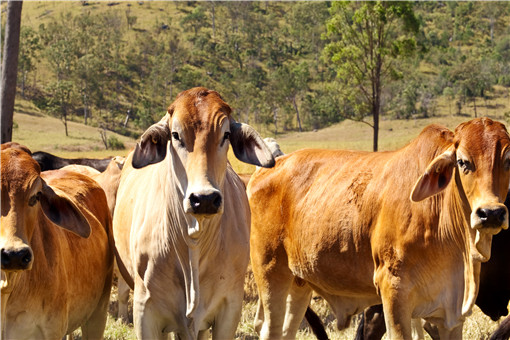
(44, 133)
(40, 132)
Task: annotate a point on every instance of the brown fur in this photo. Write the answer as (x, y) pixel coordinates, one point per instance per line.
(69, 282)
(342, 221)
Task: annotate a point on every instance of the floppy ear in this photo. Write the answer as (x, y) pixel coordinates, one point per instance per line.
(63, 212)
(436, 178)
(248, 146)
(152, 146)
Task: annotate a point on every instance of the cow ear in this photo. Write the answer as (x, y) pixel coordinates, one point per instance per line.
(437, 176)
(152, 146)
(248, 146)
(63, 212)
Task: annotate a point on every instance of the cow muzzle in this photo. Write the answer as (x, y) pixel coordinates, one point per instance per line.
(490, 219)
(204, 203)
(16, 259)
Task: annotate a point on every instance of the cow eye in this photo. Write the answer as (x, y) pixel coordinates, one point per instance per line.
(225, 137)
(464, 165)
(175, 135)
(34, 199)
(506, 164)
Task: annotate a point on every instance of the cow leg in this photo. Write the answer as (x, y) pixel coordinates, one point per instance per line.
(273, 291)
(445, 334)
(297, 301)
(147, 325)
(123, 298)
(417, 329)
(94, 327)
(397, 314)
(227, 319)
(203, 335)
(259, 317)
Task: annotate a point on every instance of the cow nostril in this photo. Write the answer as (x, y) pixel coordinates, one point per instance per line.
(217, 200)
(194, 200)
(6, 260)
(16, 259)
(27, 257)
(500, 214)
(492, 216)
(482, 213)
(205, 204)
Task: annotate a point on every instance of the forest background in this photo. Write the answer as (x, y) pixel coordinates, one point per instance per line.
(282, 66)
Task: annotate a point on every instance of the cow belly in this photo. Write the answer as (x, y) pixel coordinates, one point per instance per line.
(338, 270)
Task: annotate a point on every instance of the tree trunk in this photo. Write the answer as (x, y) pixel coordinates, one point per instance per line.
(297, 113)
(85, 109)
(213, 21)
(64, 118)
(474, 105)
(375, 112)
(275, 118)
(23, 81)
(10, 68)
(128, 114)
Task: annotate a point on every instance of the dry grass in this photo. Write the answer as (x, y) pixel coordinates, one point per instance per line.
(477, 327)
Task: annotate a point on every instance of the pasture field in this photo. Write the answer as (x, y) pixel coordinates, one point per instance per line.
(40, 132)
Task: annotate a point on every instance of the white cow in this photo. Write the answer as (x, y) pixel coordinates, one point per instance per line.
(182, 219)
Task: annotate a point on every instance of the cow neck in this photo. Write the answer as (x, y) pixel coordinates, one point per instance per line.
(7, 285)
(189, 250)
(468, 240)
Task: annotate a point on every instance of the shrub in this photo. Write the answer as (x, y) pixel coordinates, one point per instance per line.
(115, 144)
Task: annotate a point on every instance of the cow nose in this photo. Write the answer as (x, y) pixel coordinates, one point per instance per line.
(205, 204)
(492, 216)
(19, 259)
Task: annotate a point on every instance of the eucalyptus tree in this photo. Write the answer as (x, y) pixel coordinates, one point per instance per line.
(366, 39)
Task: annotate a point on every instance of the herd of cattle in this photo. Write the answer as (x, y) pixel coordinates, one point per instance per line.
(411, 238)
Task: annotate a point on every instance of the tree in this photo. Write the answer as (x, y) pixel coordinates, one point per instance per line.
(62, 49)
(10, 68)
(471, 79)
(29, 46)
(290, 82)
(366, 40)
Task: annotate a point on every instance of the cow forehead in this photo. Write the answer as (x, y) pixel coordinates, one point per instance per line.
(482, 136)
(200, 110)
(19, 169)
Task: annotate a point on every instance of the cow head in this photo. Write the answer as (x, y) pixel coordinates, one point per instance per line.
(480, 153)
(200, 129)
(26, 198)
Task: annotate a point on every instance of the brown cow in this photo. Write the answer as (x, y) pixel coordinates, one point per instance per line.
(56, 250)
(109, 180)
(342, 223)
(493, 294)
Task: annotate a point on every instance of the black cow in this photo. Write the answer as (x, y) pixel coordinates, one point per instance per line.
(493, 295)
(47, 161)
